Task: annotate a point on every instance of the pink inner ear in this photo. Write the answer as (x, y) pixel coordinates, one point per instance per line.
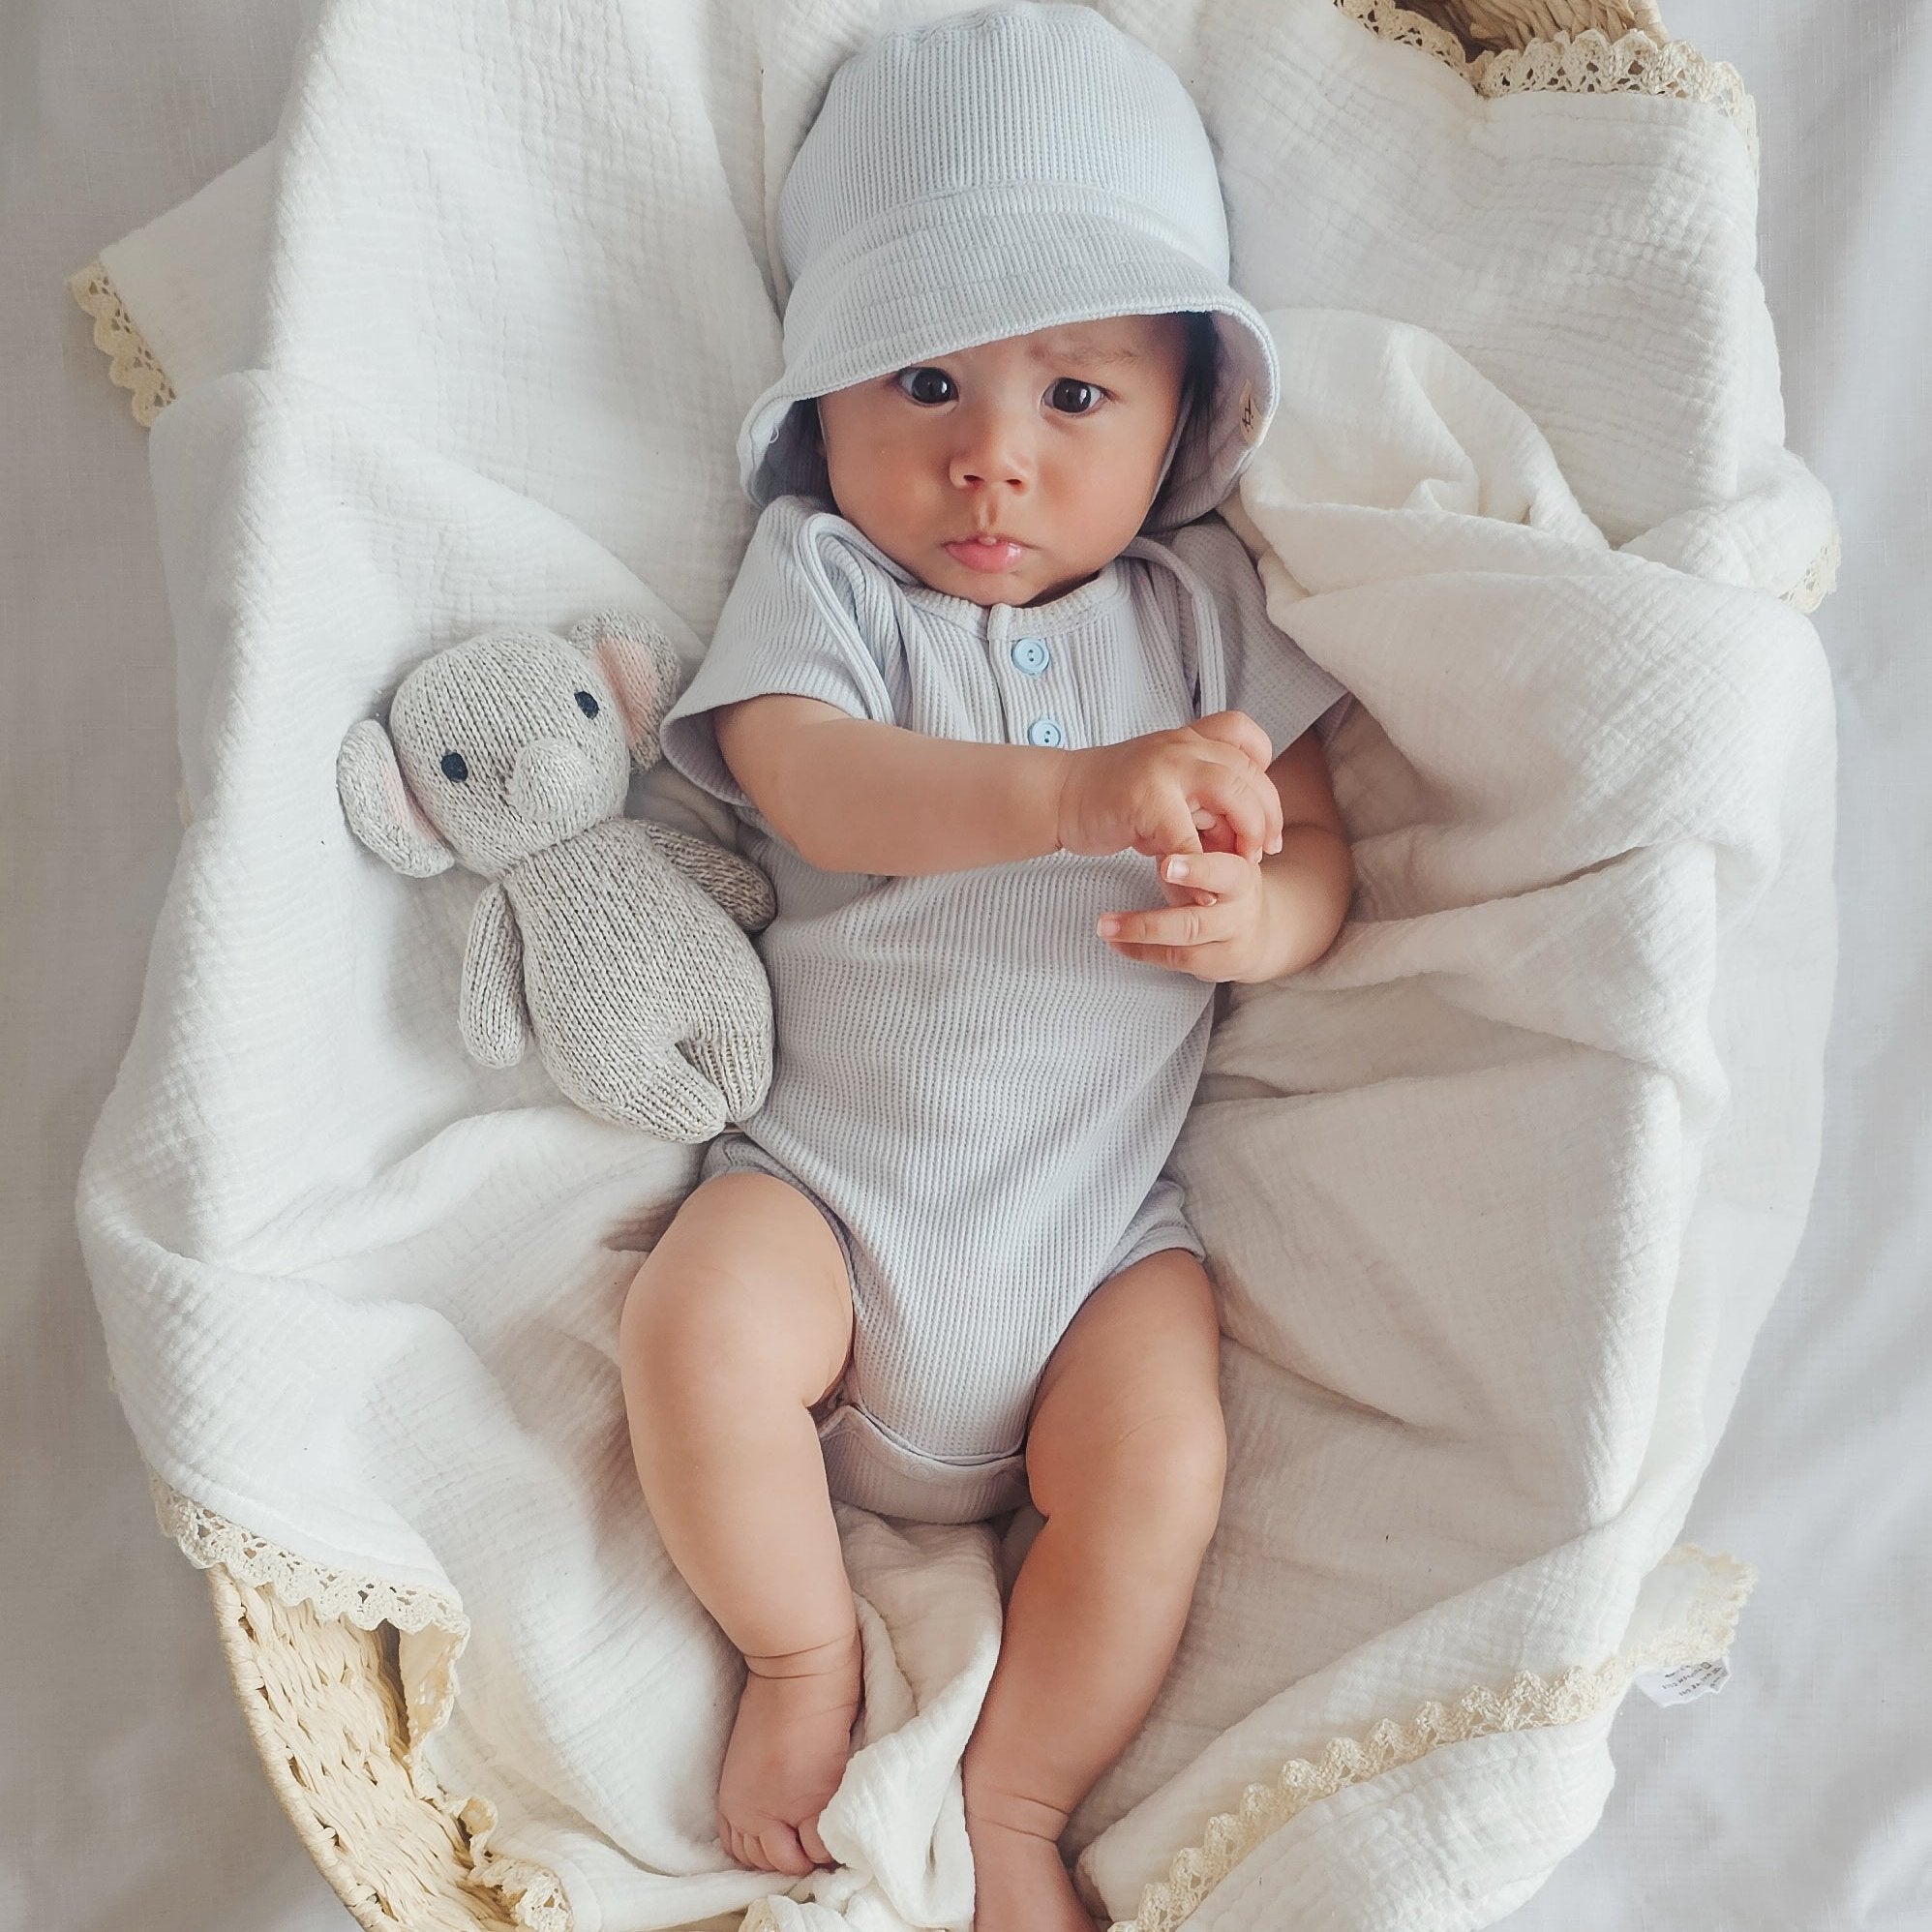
(640, 675)
(402, 806)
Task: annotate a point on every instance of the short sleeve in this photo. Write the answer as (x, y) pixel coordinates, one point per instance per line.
(791, 624)
(1265, 672)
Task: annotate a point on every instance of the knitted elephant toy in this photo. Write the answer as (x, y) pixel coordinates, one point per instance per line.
(613, 940)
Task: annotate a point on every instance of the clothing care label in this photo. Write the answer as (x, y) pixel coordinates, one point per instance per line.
(1682, 1682)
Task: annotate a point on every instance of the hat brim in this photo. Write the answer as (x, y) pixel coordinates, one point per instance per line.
(945, 277)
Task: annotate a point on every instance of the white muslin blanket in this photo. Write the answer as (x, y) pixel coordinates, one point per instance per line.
(1496, 1196)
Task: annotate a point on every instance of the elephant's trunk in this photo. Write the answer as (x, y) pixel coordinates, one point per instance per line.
(551, 781)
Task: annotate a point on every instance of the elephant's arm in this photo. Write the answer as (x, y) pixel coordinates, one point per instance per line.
(732, 881)
(496, 1022)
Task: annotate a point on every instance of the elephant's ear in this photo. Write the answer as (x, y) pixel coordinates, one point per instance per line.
(642, 668)
(377, 803)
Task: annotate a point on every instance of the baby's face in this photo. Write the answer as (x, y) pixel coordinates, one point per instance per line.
(1010, 472)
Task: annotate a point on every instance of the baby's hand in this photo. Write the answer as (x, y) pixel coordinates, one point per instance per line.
(1214, 925)
(1157, 793)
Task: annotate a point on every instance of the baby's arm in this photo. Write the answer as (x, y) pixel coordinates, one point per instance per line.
(852, 795)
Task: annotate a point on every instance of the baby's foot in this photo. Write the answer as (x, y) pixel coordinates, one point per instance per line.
(786, 1756)
(1019, 1882)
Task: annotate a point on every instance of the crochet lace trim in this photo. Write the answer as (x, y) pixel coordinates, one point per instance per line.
(1821, 577)
(1529, 1702)
(131, 363)
(208, 1540)
(534, 1893)
(1642, 59)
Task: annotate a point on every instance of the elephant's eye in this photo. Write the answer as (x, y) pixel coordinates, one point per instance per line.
(587, 704)
(453, 767)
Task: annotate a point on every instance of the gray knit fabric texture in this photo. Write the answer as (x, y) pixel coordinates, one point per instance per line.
(613, 943)
(976, 1089)
(986, 176)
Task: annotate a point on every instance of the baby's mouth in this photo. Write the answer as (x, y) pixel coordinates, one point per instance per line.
(979, 553)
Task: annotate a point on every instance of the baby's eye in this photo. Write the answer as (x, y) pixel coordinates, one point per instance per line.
(587, 704)
(1073, 396)
(454, 768)
(926, 385)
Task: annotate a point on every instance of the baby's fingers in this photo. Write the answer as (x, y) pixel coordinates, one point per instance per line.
(1223, 875)
(1171, 825)
(1167, 926)
(1238, 728)
(1216, 834)
(1250, 805)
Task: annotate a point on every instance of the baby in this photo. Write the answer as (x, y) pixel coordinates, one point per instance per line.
(1029, 782)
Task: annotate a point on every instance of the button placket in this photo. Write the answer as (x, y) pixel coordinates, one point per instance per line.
(1034, 691)
(1019, 661)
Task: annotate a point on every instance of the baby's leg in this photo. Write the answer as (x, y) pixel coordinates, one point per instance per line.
(739, 1321)
(1125, 1457)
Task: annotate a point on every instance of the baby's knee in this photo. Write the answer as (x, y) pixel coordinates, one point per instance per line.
(698, 1326)
(697, 1329)
(1173, 1465)
(1158, 1476)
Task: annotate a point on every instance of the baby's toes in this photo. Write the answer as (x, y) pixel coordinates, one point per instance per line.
(782, 1851)
(749, 1850)
(764, 1844)
(813, 1844)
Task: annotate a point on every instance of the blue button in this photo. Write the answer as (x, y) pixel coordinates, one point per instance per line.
(1032, 655)
(1044, 731)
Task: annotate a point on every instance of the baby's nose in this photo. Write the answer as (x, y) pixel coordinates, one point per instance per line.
(994, 451)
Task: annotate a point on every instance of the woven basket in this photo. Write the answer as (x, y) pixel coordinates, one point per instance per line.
(323, 1699)
(323, 1702)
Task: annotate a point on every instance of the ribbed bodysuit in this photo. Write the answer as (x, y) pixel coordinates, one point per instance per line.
(978, 1091)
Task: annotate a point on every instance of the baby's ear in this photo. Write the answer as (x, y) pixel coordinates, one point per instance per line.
(376, 802)
(642, 667)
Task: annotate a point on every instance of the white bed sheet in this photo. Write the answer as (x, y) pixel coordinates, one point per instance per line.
(1801, 1797)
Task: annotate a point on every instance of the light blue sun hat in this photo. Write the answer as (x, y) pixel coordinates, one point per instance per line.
(986, 176)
